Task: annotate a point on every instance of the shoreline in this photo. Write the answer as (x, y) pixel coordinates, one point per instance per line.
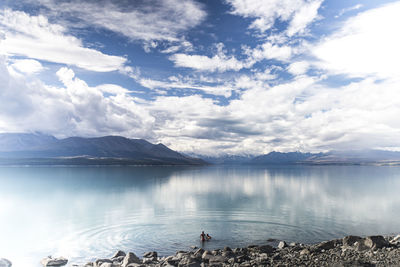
(348, 251)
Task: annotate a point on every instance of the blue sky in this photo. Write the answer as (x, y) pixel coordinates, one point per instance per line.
(206, 77)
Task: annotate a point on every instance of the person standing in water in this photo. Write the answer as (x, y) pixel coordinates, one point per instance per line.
(208, 237)
(202, 236)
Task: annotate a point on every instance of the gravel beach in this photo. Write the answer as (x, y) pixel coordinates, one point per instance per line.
(348, 251)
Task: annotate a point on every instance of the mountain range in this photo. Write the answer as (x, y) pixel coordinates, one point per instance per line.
(41, 149)
(380, 157)
(44, 149)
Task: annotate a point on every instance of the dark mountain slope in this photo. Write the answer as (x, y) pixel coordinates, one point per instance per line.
(36, 146)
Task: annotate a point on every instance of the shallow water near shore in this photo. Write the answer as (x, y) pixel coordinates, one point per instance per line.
(84, 213)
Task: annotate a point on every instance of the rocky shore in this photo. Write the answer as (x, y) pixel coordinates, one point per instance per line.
(348, 251)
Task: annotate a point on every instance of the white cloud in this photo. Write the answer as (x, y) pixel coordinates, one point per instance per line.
(299, 13)
(269, 50)
(27, 66)
(36, 38)
(366, 44)
(303, 17)
(223, 90)
(219, 62)
(147, 21)
(74, 109)
(298, 67)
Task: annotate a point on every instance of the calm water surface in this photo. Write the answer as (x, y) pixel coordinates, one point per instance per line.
(87, 212)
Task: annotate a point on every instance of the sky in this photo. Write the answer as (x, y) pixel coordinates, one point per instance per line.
(209, 77)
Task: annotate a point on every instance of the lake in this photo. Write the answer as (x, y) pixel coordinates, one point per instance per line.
(84, 213)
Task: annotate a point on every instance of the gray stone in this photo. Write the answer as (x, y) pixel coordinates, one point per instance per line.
(349, 241)
(99, 262)
(326, 245)
(172, 260)
(136, 265)
(130, 258)
(231, 261)
(228, 254)
(217, 259)
(360, 246)
(304, 252)
(5, 263)
(189, 261)
(182, 254)
(242, 258)
(395, 239)
(119, 253)
(119, 259)
(49, 261)
(282, 245)
(376, 241)
(108, 264)
(227, 249)
(152, 254)
(215, 252)
(198, 252)
(147, 260)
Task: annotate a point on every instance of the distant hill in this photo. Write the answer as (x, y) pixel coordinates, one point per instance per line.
(282, 158)
(39, 148)
(226, 159)
(333, 157)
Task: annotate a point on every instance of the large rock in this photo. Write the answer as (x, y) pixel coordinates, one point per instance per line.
(198, 252)
(349, 241)
(152, 254)
(130, 258)
(49, 261)
(282, 245)
(119, 253)
(217, 259)
(376, 241)
(5, 263)
(326, 245)
(189, 260)
(396, 238)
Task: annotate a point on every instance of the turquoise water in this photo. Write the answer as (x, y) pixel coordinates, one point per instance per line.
(86, 212)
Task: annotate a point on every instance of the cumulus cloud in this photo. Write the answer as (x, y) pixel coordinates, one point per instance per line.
(36, 38)
(138, 20)
(75, 109)
(365, 45)
(298, 13)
